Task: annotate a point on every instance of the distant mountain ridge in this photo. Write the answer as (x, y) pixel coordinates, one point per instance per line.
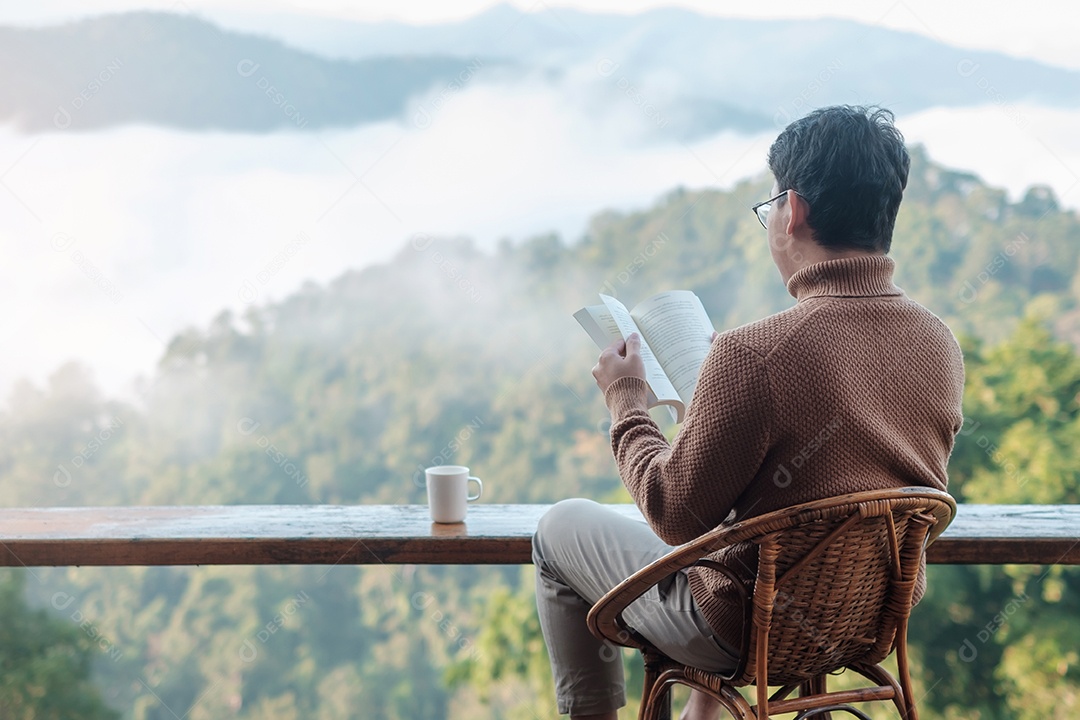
(184, 72)
(691, 74)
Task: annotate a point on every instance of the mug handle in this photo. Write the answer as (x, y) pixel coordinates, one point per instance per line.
(479, 489)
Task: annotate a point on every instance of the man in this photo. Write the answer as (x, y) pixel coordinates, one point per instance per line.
(856, 387)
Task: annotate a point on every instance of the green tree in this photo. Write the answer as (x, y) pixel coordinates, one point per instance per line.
(45, 662)
(1000, 642)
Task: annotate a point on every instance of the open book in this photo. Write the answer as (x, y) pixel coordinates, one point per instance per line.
(676, 334)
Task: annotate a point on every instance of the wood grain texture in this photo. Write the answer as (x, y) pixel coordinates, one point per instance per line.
(404, 534)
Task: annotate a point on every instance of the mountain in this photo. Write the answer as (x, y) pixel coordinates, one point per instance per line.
(184, 72)
(690, 74)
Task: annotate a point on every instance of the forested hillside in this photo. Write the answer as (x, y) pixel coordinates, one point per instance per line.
(339, 393)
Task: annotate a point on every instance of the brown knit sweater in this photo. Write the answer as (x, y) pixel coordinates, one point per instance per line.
(856, 387)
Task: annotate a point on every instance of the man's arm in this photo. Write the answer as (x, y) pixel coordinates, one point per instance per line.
(689, 486)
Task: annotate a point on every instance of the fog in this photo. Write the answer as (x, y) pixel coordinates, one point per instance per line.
(114, 241)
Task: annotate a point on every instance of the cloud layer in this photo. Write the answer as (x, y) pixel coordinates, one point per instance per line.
(114, 241)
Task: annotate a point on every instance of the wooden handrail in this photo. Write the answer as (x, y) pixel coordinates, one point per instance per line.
(404, 534)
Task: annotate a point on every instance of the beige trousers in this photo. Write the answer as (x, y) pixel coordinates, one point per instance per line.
(581, 550)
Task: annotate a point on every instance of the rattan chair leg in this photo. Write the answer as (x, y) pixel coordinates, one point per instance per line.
(728, 697)
(816, 686)
(658, 706)
(735, 703)
(649, 698)
(878, 674)
(663, 707)
(909, 712)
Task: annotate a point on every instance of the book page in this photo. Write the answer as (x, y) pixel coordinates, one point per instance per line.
(654, 374)
(602, 328)
(680, 332)
(598, 322)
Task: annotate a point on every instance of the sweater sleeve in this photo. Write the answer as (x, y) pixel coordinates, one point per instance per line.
(688, 487)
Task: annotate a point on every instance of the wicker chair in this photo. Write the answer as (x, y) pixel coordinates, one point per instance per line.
(833, 590)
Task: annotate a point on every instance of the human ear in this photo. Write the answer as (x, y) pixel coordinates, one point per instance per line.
(797, 211)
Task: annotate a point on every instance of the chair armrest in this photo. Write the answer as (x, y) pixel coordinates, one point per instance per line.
(605, 617)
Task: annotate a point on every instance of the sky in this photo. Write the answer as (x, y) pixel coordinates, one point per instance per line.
(1034, 30)
(114, 241)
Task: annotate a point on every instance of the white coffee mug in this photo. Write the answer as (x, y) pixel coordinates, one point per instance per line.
(448, 492)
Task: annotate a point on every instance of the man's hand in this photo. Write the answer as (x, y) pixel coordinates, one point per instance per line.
(619, 359)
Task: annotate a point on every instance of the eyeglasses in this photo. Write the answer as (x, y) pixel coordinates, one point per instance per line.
(762, 208)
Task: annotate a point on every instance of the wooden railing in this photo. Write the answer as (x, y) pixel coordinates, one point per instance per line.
(371, 534)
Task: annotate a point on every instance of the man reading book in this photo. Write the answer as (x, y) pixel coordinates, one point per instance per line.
(856, 387)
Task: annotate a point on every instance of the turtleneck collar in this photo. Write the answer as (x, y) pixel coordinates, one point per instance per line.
(860, 276)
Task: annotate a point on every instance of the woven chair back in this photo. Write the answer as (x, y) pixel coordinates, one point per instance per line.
(833, 587)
